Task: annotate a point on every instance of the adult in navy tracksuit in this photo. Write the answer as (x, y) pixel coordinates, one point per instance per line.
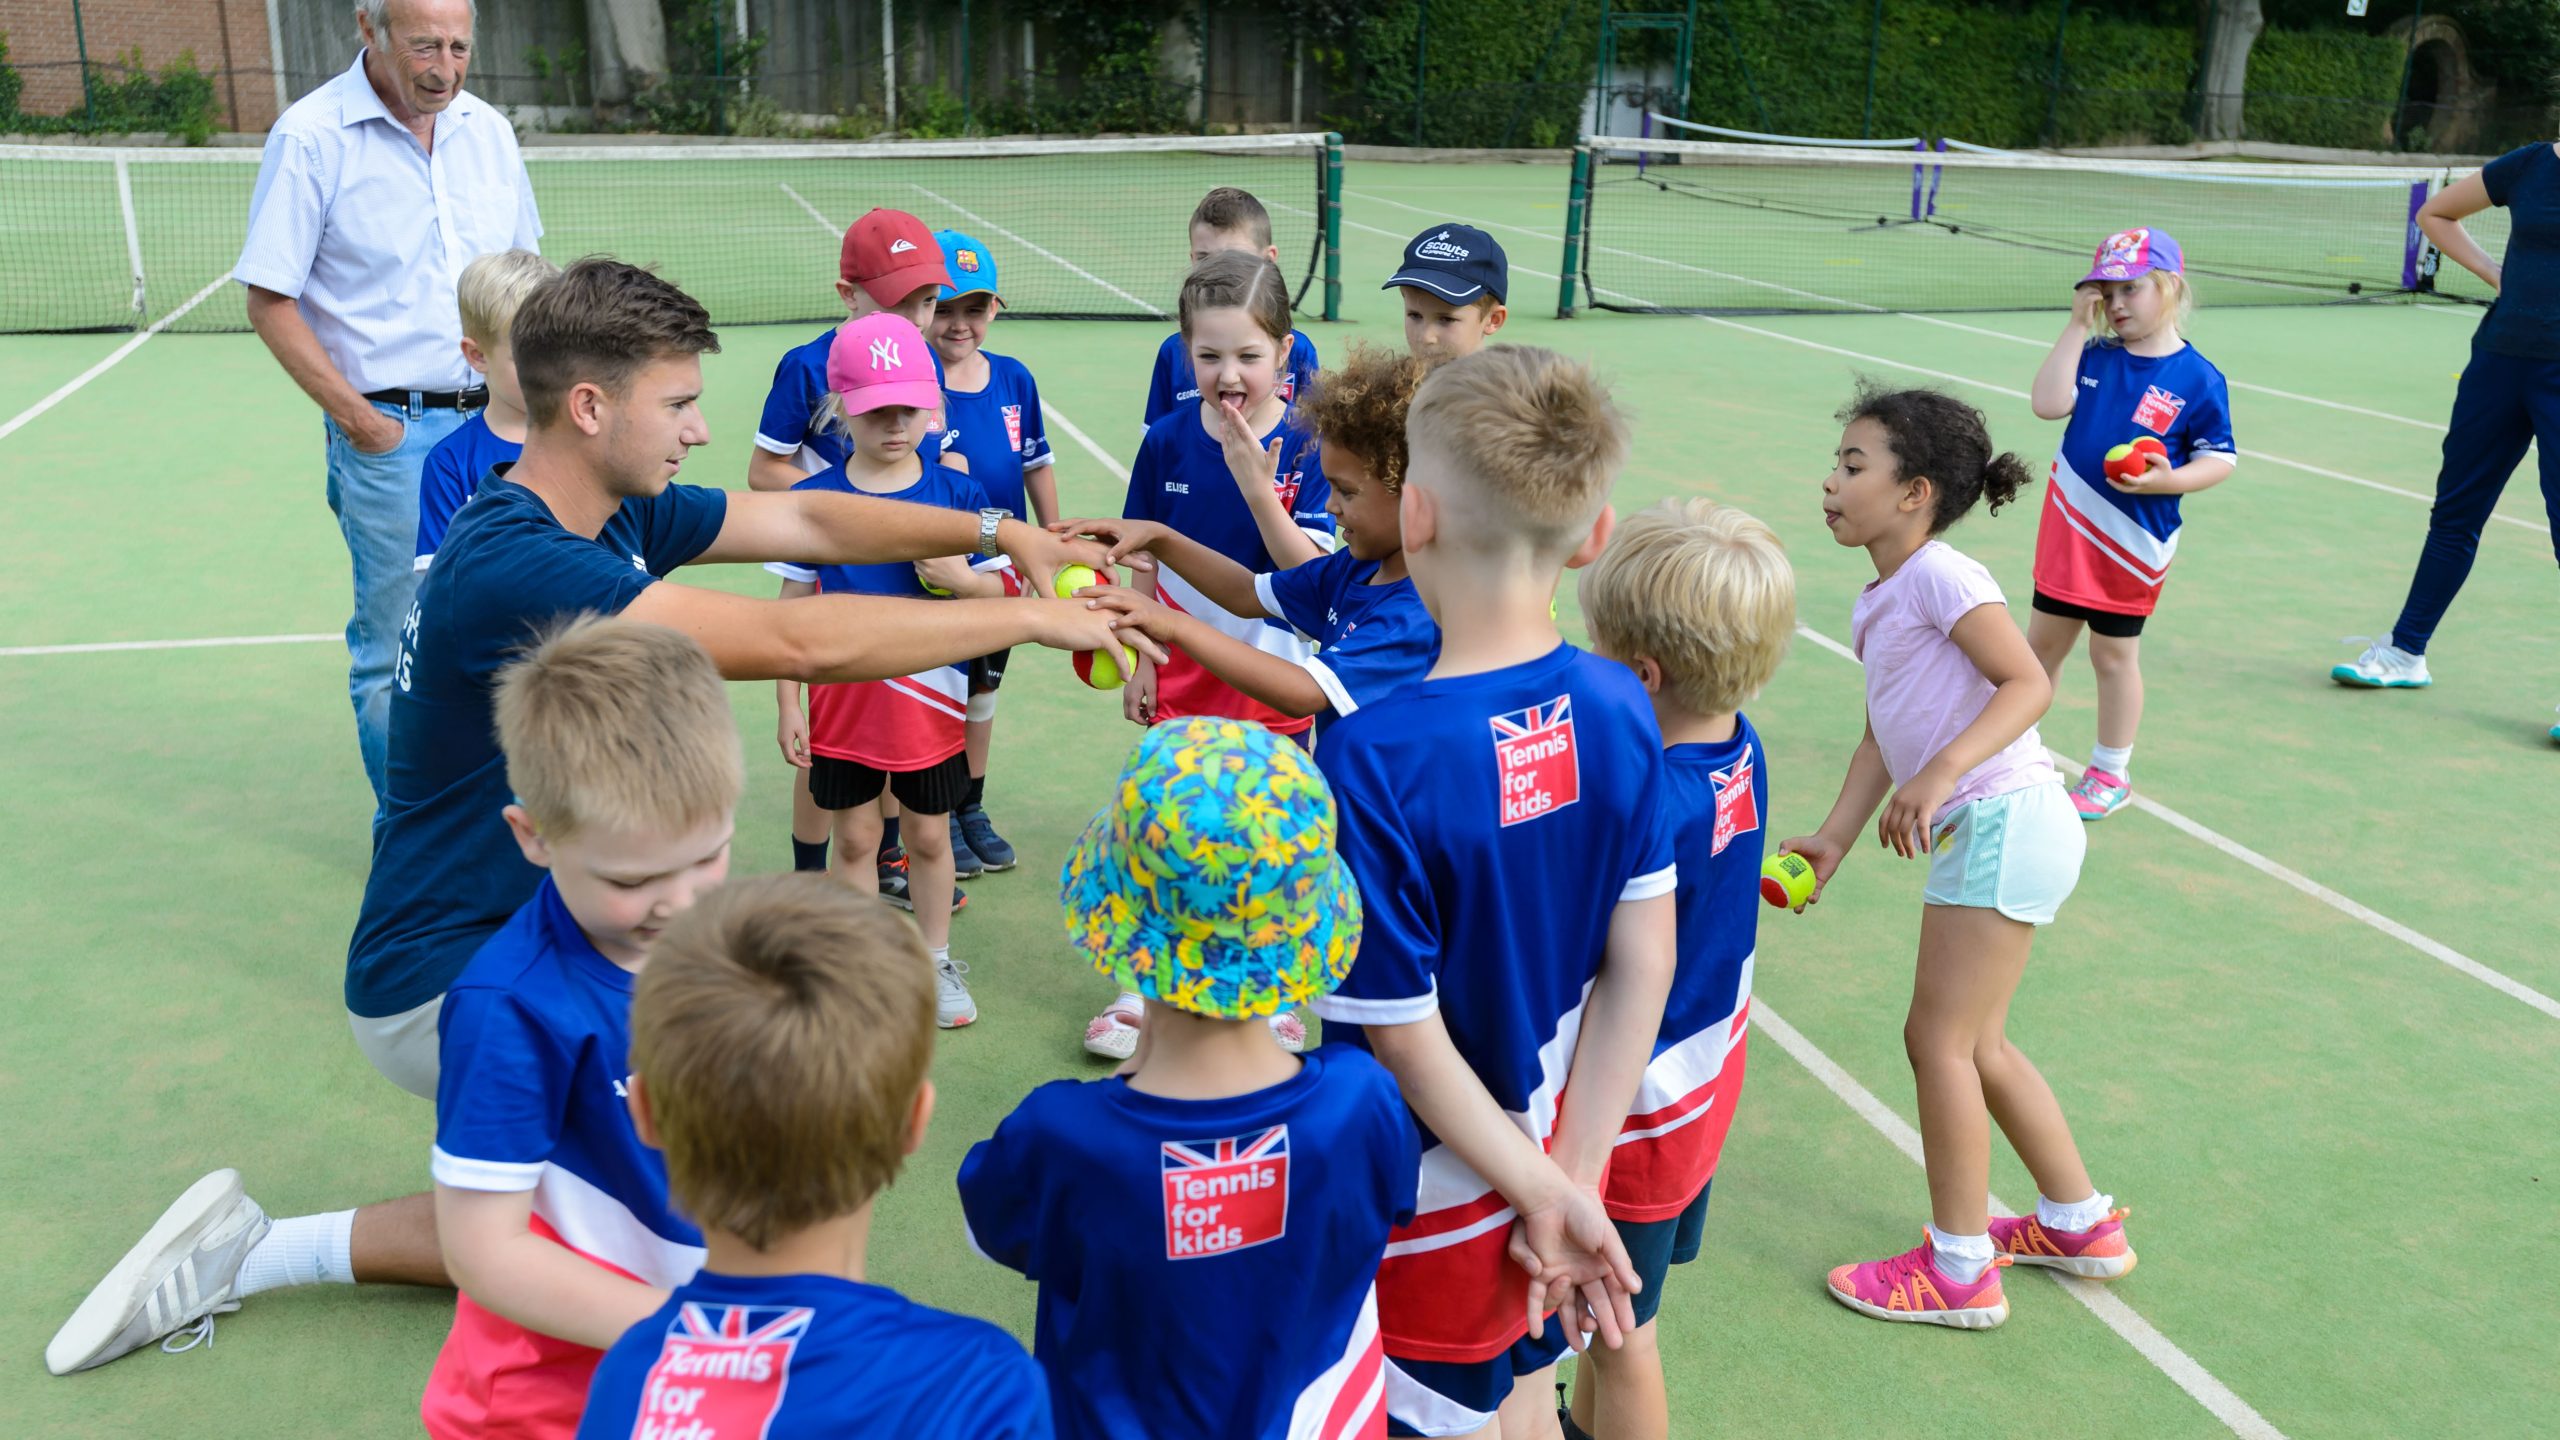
(2509, 395)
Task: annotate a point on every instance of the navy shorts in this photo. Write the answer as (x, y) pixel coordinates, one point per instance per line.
(1455, 1397)
(1657, 1245)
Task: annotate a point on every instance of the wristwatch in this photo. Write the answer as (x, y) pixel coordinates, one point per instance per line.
(988, 520)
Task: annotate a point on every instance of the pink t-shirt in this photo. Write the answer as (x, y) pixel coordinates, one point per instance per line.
(1921, 690)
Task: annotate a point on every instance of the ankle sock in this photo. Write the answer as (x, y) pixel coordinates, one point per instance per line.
(303, 1250)
(1564, 1420)
(977, 796)
(2115, 760)
(808, 854)
(888, 836)
(2074, 1217)
(1961, 1258)
(941, 954)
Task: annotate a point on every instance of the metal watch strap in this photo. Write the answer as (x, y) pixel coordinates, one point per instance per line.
(988, 520)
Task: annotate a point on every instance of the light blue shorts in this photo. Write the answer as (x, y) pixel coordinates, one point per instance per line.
(2017, 853)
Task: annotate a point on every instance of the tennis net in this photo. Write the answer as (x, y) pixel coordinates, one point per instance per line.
(1685, 226)
(112, 239)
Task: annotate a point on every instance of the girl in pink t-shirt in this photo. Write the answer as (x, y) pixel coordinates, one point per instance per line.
(1953, 695)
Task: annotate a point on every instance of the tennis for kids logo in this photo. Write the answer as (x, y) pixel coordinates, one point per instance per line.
(1225, 1195)
(720, 1378)
(1013, 426)
(2158, 410)
(1533, 750)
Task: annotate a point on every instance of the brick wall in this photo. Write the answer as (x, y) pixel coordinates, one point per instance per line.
(228, 37)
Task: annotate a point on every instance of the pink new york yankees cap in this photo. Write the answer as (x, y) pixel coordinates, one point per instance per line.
(881, 360)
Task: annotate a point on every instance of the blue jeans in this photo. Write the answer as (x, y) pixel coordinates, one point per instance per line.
(375, 498)
(2504, 403)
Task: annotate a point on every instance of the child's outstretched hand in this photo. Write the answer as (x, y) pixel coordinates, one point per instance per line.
(1142, 613)
(1129, 541)
(1822, 854)
(1904, 825)
(951, 574)
(1256, 468)
(1138, 695)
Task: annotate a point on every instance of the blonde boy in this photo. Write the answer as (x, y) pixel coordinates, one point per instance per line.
(780, 1040)
(554, 1217)
(488, 294)
(1699, 601)
(1504, 819)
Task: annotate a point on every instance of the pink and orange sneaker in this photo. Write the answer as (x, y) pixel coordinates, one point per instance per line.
(1910, 1286)
(2100, 1252)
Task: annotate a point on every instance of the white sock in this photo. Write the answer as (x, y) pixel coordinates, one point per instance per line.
(2074, 1217)
(941, 954)
(1961, 1258)
(304, 1250)
(2115, 760)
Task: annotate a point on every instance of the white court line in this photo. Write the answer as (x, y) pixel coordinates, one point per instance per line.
(101, 647)
(2182, 1369)
(2278, 460)
(831, 227)
(103, 366)
(1059, 261)
(2365, 914)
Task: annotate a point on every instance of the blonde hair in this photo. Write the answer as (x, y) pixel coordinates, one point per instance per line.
(1702, 590)
(1530, 437)
(781, 1032)
(612, 724)
(2182, 305)
(492, 288)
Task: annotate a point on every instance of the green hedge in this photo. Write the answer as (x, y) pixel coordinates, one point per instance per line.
(2323, 87)
(123, 97)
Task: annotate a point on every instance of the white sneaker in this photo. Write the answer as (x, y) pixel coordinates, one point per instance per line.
(952, 1007)
(2384, 666)
(184, 1271)
(1290, 1031)
(1113, 1034)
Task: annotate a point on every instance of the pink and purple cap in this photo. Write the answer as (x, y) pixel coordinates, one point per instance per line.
(881, 360)
(2132, 254)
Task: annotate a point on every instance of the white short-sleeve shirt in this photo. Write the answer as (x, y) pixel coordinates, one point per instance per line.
(356, 220)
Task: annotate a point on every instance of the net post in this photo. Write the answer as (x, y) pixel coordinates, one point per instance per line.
(1332, 225)
(1577, 204)
(132, 239)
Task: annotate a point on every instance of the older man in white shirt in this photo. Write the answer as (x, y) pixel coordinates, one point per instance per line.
(375, 190)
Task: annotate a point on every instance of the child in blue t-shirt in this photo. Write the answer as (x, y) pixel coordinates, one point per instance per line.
(1205, 1226)
(1506, 818)
(867, 742)
(780, 1041)
(1356, 604)
(991, 414)
(488, 293)
(554, 1219)
(889, 264)
(1225, 219)
(1699, 601)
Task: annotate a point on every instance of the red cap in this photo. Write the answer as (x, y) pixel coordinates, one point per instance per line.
(891, 254)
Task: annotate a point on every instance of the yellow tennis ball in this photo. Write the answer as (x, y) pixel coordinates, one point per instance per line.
(1072, 578)
(1104, 671)
(1786, 881)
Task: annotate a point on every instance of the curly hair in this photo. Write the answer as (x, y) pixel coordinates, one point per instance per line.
(1360, 408)
(1939, 438)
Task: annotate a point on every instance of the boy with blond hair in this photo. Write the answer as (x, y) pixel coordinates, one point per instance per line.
(823, 1001)
(1505, 820)
(1205, 1225)
(554, 1217)
(490, 290)
(1225, 219)
(1699, 601)
(1452, 282)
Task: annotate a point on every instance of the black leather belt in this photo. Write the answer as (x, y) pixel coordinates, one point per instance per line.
(475, 398)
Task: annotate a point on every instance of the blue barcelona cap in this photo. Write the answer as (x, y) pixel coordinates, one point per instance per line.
(972, 268)
(1458, 263)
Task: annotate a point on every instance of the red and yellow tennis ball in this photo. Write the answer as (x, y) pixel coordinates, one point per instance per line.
(1786, 881)
(1099, 669)
(2129, 460)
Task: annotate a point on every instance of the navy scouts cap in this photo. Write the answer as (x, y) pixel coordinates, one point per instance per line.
(1455, 262)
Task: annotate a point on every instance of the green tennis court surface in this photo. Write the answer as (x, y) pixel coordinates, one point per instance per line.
(2339, 1147)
